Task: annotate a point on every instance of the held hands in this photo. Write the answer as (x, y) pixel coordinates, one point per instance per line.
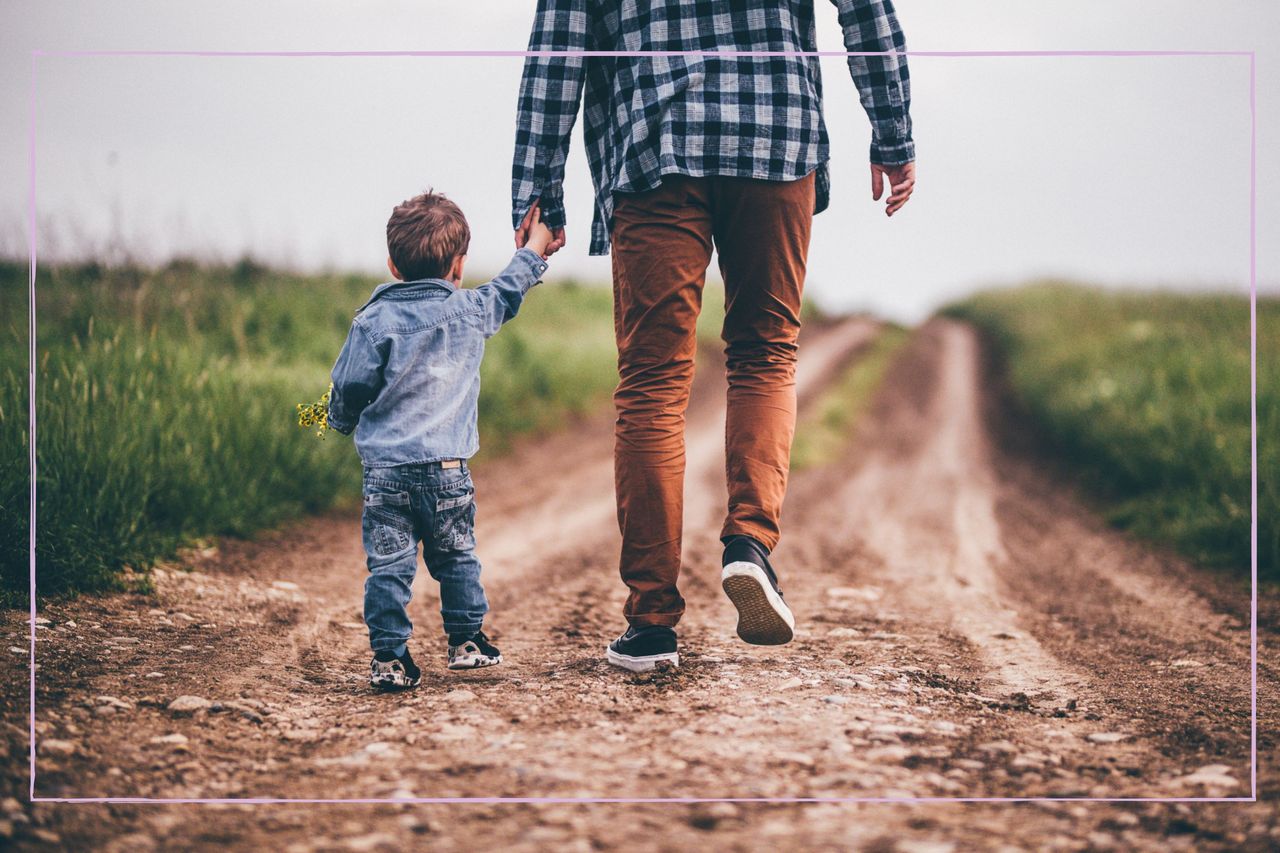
(533, 234)
(902, 180)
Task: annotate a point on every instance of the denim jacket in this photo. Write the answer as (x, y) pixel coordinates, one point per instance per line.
(408, 378)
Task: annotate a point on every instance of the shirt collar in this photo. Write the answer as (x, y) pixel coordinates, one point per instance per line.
(403, 286)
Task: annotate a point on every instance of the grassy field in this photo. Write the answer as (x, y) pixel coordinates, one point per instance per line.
(165, 411)
(822, 434)
(1146, 398)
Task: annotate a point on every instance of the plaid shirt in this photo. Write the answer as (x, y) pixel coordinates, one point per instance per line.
(692, 112)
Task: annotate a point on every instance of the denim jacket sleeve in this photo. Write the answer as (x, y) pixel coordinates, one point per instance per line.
(357, 379)
(500, 299)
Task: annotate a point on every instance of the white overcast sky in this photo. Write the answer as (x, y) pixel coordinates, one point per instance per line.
(1111, 170)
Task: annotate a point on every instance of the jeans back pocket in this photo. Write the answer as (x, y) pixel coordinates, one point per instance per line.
(455, 521)
(387, 522)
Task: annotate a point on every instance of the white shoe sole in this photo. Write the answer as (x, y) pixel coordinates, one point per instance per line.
(763, 617)
(475, 662)
(640, 663)
(393, 682)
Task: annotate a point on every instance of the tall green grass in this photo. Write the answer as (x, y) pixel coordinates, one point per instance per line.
(824, 432)
(165, 405)
(1145, 396)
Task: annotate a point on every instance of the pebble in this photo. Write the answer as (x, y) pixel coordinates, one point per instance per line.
(1210, 776)
(868, 593)
(908, 845)
(154, 675)
(175, 739)
(57, 747)
(371, 842)
(836, 700)
(998, 746)
(459, 695)
(789, 684)
(837, 633)
(188, 704)
(1106, 737)
(286, 585)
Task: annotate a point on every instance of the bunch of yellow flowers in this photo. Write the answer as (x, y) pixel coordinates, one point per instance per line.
(316, 414)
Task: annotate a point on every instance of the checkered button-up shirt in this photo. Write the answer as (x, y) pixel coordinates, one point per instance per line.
(676, 107)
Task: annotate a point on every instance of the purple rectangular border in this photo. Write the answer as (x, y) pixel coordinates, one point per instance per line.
(1253, 419)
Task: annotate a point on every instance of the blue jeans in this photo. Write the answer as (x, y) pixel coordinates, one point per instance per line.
(434, 505)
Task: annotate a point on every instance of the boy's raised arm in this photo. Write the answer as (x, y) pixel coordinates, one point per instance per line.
(357, 379)
(501, 298)
(550, 91)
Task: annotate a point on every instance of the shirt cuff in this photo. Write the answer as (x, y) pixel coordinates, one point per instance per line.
(893, 153)
(533, 262)
(340, 426)
(552, 206)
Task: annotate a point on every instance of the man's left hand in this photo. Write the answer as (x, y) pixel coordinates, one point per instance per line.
(902, 180)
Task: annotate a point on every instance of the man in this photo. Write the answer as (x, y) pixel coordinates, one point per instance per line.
(694, 144)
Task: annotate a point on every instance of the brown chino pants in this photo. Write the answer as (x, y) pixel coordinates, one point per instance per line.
(662, 241)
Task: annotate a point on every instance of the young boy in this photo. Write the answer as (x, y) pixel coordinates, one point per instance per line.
(406, 382)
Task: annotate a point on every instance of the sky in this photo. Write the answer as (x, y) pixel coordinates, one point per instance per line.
(1126, 171)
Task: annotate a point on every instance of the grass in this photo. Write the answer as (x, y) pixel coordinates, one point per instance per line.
(1145, 396)
(822, 434)
(165, 409)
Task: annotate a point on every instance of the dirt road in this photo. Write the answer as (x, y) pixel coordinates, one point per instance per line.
(965, 629)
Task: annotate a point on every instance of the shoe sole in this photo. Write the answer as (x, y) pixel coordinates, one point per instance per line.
(640, 663)
(475, 663)
(394, 683)
(763, 617)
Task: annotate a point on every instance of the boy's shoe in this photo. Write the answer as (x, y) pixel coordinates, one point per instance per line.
(388, 672)
(472, 652)
(641, 649)
(751, 584)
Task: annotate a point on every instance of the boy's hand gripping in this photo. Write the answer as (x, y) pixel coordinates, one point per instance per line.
(533, 234)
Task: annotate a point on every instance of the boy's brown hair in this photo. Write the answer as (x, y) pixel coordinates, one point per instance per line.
(424, 235)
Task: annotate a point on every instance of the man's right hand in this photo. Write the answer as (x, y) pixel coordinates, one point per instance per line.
(538, 237)
(526, 225)
(902, 180)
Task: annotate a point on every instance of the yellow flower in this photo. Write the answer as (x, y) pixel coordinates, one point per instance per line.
(316, 414)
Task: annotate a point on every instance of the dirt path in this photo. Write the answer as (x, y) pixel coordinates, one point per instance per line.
(966, 629)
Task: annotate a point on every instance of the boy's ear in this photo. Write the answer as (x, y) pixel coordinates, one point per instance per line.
(395, 273)
(458, 263)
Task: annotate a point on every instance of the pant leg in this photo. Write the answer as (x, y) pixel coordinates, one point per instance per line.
(661, 249)
(391, 549)
(449, 543)
(762, 235)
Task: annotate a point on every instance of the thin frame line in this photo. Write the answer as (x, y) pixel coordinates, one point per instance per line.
(241, 801)
(31, 394)
(624, 53)
(1253, 298)
(1253, 424)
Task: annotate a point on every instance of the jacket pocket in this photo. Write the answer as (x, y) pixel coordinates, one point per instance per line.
(455, 521)
(387, 522)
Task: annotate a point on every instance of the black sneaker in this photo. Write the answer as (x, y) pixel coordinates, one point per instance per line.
(388, 672)
(641, 649)
(751, 584)
(472, 651)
